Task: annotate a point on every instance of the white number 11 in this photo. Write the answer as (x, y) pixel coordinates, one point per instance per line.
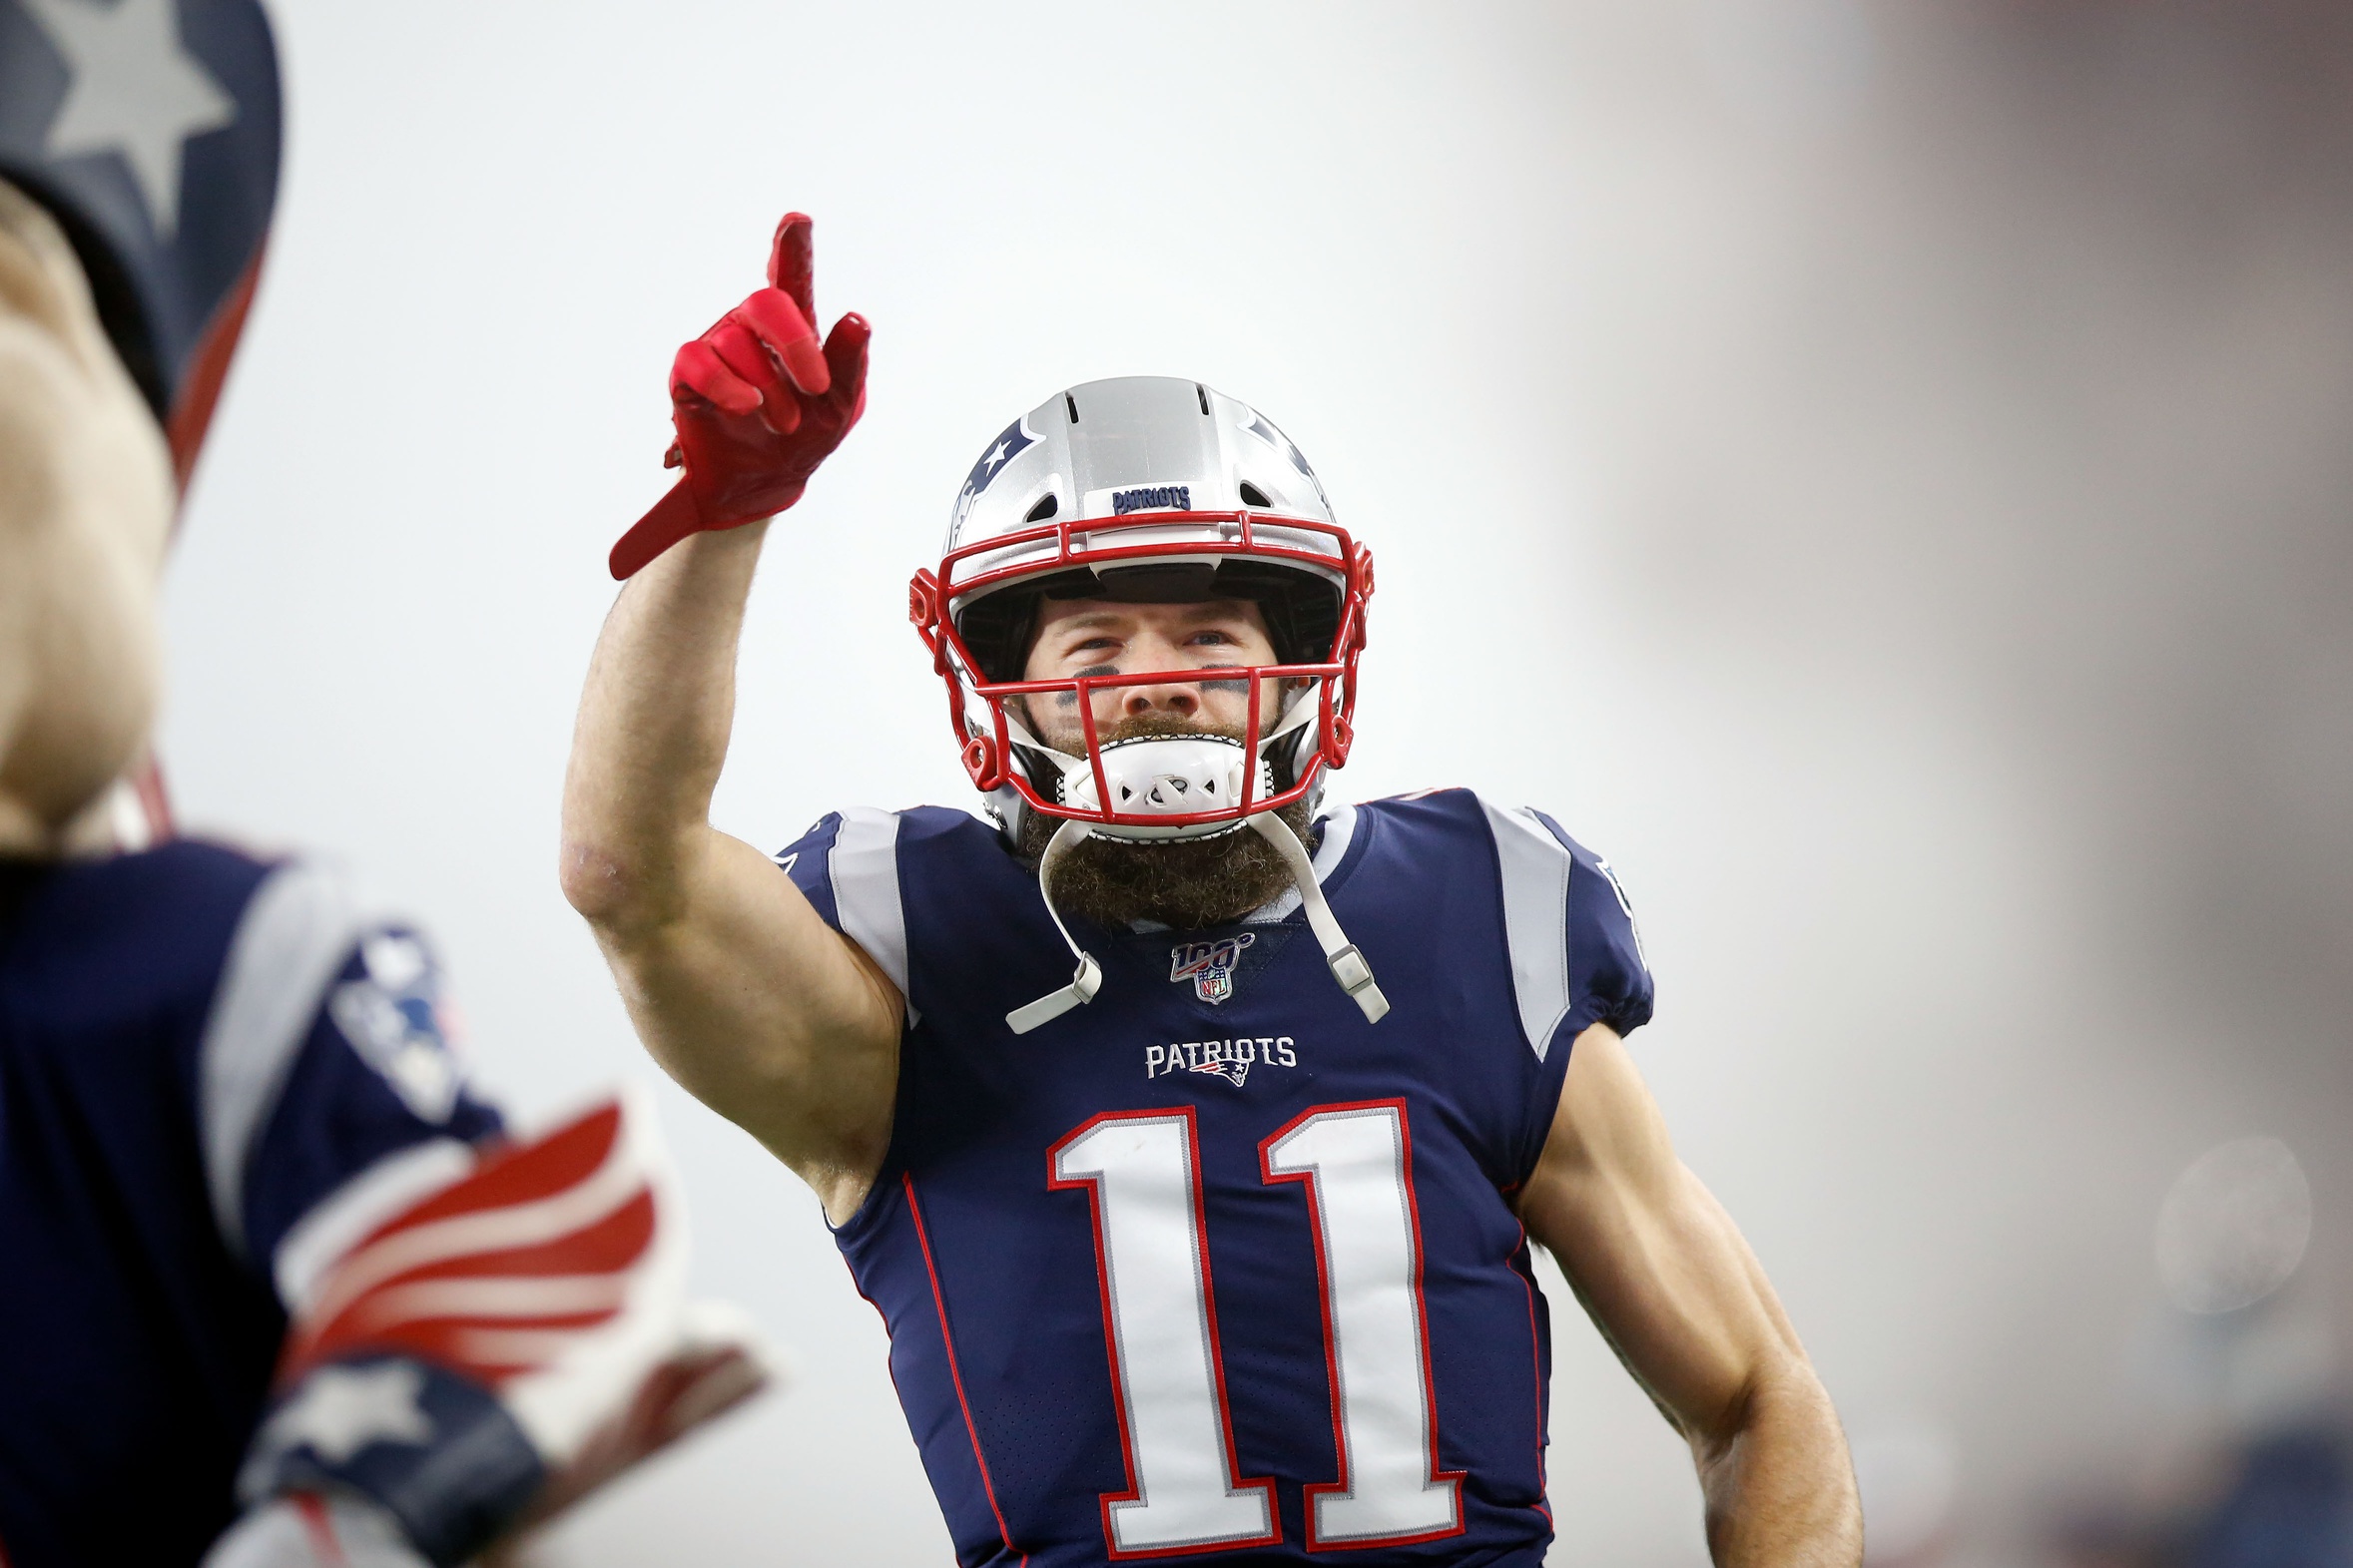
(1142, 1171)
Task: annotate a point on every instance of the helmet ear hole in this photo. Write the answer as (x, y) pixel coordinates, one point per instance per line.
(1252, 495)
(1337, 741)
(1046, 506)
(983, 763)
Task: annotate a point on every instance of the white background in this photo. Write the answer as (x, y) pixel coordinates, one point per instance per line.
(1871, 473)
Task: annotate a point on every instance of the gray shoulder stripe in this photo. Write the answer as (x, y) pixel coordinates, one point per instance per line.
(292, 937)
(1340, 825)
(864, 872)
(1536, 870)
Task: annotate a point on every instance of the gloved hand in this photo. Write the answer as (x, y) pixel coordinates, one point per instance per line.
(757, 406)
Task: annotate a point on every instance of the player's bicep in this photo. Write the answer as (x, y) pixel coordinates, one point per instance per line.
(764, 1011)
(1652, 1256)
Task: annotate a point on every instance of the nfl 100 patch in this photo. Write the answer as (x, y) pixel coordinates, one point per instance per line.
(1209, 965)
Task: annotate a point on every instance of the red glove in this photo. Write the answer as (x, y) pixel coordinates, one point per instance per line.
(757, 407)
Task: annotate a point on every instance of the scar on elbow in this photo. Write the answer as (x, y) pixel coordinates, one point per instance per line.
(596, 883)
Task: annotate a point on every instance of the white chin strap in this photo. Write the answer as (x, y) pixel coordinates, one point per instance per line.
(1089, 977)
(1347, 964)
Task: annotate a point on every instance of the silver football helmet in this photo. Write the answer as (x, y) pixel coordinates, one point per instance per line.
(1149, 490)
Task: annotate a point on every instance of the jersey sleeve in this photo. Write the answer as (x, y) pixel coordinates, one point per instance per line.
(808, 862)
(1576, 959)
(847, 866)
(327, 1056)
(1608, 974)
(374, 1077)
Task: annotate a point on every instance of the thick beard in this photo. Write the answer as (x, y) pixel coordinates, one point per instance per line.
(1185, 883)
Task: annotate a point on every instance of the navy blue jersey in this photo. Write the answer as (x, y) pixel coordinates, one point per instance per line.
(199, 1052)
(1211, 1264)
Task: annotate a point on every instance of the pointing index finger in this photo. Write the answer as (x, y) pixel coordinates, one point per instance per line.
(789, 333)
(791, 265)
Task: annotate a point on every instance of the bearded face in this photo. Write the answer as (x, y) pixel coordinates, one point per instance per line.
(1185, 883)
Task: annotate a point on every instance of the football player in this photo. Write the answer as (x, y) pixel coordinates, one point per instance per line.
(1218, 1241)
(268, 1266)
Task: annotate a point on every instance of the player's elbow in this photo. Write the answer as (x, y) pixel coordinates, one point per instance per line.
(1779, 1390)
(613, 888)
(1775, 1471)
(613, 872)
(591, 878)
(1781, 1415)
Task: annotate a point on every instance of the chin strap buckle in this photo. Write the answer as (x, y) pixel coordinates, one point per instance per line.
(1355, 978)
(1348, 965)
(1081, 990)
(1088, 979)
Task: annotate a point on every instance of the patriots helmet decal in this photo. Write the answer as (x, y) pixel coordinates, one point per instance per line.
(1007, 445)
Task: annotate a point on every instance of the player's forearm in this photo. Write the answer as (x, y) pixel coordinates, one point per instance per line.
(1780, 1488)
(653, 729)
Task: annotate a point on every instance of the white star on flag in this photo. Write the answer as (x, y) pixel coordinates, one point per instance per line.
(998, 456)
(134, 91)
(343, 1410)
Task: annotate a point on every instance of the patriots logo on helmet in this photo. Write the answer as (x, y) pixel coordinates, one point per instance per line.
(1006, 447)
(1258, 426)
(1210, 966)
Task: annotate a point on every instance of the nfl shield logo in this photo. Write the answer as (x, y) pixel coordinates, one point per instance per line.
(1209, 965)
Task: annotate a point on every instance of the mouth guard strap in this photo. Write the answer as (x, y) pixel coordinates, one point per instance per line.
(1088, 979)
(1348, 965)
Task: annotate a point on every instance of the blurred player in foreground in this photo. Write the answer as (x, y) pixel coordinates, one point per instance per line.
(266, 1266)
(1216, 1246)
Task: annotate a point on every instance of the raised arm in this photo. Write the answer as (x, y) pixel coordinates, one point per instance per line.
(737, 986)
(1664, 1274)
